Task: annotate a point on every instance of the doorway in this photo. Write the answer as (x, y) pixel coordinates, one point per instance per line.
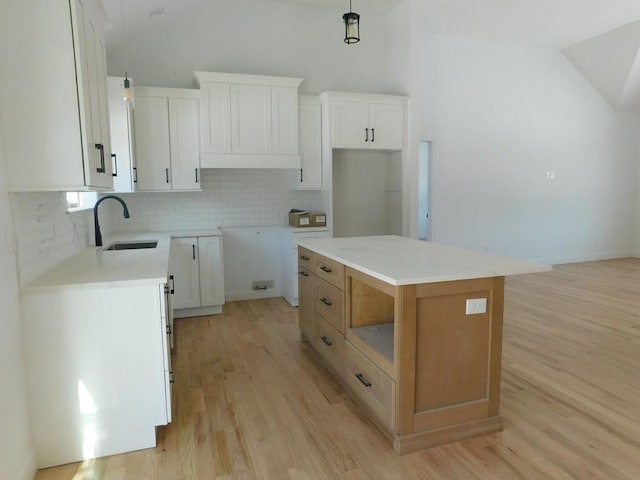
(424, 191)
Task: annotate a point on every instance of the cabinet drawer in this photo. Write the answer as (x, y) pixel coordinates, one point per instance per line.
(330, 343)
(305, 258)
(371, 385)
(329, 270)
(329, 302)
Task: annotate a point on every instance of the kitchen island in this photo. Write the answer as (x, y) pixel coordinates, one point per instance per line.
(413, 329)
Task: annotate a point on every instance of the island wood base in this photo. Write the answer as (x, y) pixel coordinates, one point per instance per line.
(424, 366)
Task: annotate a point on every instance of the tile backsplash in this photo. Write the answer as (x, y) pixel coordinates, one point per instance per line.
(45, 233)
(229, 197)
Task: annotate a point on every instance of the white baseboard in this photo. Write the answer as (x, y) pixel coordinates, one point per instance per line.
(197, 311)
(585, 258)
(252, 295)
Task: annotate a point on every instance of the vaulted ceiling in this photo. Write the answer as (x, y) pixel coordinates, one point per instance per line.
(600, 37)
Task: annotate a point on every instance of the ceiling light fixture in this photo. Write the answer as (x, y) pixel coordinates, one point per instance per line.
(127, 93)
(351, 26)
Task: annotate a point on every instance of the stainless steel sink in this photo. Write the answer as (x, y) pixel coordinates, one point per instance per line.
(132, 245)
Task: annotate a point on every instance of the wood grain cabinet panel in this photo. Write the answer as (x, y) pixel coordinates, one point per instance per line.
(329, 270)
(329, 302)
(330, 343)
(425, 366)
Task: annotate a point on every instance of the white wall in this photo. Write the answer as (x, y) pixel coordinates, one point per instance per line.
(500, 117)
(367, 193)
(262, 37)
(17, 460)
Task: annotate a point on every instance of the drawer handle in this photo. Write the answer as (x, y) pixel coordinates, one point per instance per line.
(326, 301)
(360, 377)
(326, 341)
(304, 257)
(304, 274)
(325, 269)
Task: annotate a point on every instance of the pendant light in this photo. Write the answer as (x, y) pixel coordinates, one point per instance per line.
(127, 93)
(351, 26)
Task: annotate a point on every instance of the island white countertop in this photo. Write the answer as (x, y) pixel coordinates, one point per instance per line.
(405, 261)
(94, 266)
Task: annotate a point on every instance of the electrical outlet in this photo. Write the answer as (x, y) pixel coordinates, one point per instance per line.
(262, 285)
(476, 306)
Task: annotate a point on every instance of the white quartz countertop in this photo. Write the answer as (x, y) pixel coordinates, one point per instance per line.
(405, 261)
(94, 266)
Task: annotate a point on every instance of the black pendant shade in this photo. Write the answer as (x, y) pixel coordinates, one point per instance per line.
(351, 26)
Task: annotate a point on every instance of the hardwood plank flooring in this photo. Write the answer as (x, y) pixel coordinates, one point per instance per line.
(253, 402)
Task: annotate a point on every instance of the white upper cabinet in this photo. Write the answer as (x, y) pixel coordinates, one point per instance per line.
(284, 120)
(251, 119)
(167, 139)
(53, 98)
(215, 122)
(310, 143)
(248, 121)
(366, 121)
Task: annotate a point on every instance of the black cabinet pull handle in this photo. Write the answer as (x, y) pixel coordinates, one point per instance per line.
(196, 175)
(115, 165)
(304, 274)
(166, 173)
(373, 135)
(326, 341)
(360, 377)
(326, 301)
(304, 257)
(301, 176)
(135, 174)
(101, 168)
(173, 284)
(325, 269)
(193, 250)
(366, 134)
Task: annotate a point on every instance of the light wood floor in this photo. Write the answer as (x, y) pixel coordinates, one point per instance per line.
(252, 402)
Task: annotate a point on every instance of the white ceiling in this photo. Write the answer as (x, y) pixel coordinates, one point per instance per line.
(544, 23)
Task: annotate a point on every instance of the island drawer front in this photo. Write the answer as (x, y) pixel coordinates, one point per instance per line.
(329, 270)
(305, 257)
(329, 302)
(330, 343)
(371, 385)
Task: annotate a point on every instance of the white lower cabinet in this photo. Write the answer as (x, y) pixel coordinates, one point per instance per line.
(99, 369)
(290, 260)
(198, 275)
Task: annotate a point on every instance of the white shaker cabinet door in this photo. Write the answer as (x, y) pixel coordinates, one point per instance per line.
(310, 144)
(349, 124)
(215, 117)
(284, 120)
(93, 97)
(386, 123)
(152, 146)
(184, 140)
(211, 271)
(185, 271)
(251, 119)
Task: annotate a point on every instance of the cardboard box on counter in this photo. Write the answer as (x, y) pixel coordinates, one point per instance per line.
(302, 218)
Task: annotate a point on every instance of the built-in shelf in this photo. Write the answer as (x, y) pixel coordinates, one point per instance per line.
(379, 337)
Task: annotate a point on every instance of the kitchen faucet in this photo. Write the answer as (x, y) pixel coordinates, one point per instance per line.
(95, 216)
